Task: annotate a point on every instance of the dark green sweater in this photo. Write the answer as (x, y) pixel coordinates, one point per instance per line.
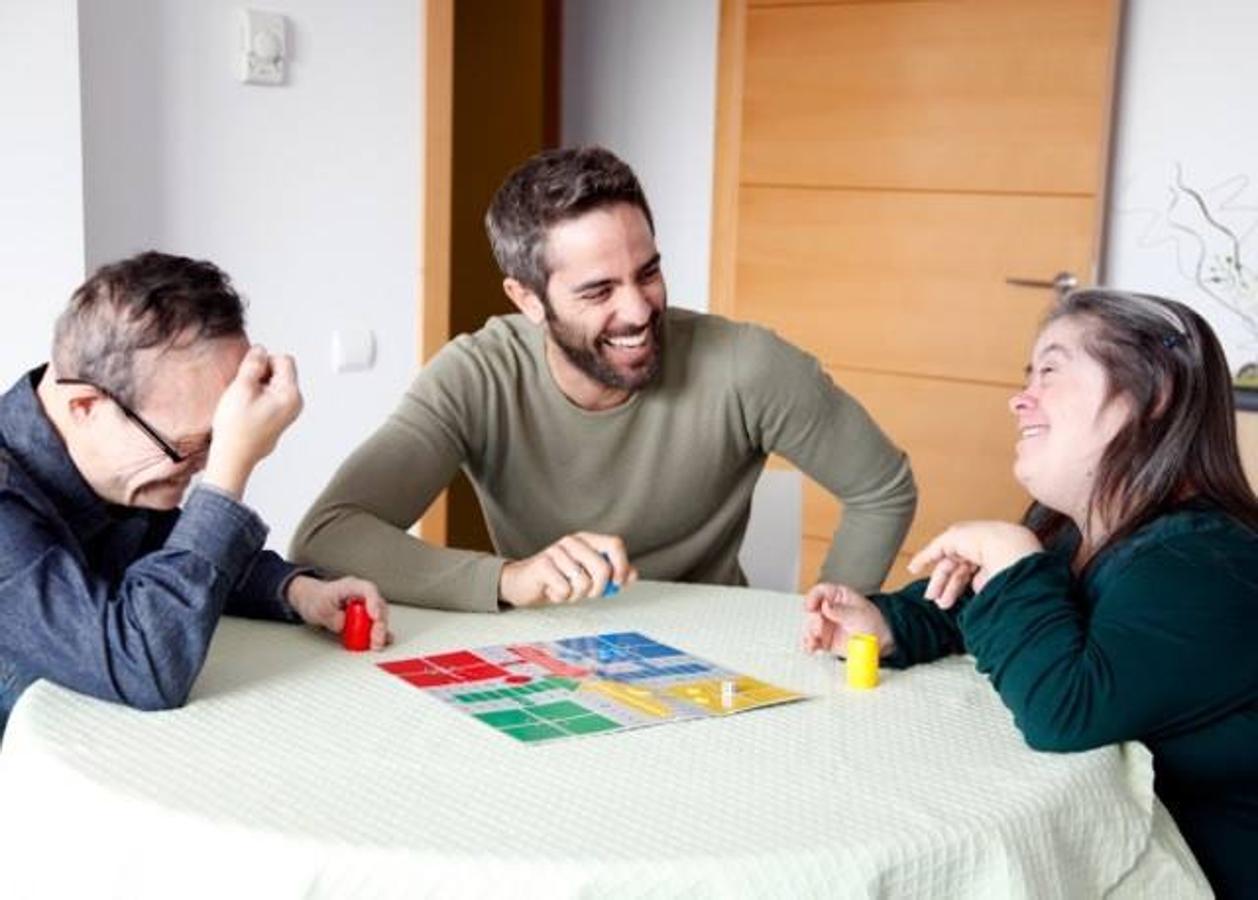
(1156, 642)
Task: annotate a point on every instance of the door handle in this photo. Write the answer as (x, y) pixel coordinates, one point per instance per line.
(1063, 283)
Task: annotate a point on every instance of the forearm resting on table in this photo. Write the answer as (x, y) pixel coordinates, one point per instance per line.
(405, 569)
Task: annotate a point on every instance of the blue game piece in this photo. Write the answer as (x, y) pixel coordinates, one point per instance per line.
(612, 588)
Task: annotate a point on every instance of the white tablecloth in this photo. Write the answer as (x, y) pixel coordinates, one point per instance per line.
(300, 770)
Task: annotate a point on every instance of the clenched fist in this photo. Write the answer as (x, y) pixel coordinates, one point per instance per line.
(261, 401)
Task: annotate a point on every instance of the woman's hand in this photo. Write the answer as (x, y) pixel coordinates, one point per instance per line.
(971, 553)
(835, 612)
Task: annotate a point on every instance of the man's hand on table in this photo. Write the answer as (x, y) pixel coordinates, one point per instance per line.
(574, 567)
(322, 603)
(835, 612)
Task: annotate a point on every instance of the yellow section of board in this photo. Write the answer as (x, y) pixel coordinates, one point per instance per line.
(636, 698)
(748, 693)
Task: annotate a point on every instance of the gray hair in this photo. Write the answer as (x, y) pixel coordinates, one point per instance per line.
(149, 300)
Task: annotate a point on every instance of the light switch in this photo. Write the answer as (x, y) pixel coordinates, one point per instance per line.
(263, 47)
(353, 349)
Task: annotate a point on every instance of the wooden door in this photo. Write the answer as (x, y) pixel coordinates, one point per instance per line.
(492, 100)
(882, 167)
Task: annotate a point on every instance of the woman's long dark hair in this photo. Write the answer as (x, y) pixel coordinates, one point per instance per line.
(1181, 439)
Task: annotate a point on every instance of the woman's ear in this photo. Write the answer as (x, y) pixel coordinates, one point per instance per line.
(1161, 401)
(525, 300)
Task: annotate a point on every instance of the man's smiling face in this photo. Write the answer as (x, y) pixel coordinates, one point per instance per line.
(606, 296)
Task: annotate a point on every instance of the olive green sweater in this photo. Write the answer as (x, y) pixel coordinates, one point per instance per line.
(1157, 642)
(671, 470)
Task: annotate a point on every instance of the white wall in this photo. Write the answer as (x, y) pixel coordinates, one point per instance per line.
(41, 176)
(1185, 105)
(307, 194)
(640, 78)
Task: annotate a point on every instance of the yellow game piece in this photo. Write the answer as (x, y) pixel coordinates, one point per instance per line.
(862, 661)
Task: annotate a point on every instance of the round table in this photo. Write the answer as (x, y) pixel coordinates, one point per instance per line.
(298, 769)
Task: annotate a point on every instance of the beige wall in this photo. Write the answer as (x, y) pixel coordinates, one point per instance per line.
(1247, 431)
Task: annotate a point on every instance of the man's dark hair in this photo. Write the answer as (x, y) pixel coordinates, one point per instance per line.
(553, 187)
(150, 300)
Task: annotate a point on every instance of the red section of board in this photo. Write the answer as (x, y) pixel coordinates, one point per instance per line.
(428, 679)
(460, 660)
(479, 673)
(406, 666)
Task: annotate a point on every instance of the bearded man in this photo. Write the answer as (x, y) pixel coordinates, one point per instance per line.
(606, 435)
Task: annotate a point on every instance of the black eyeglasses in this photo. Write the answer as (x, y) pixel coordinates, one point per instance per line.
(174, 455)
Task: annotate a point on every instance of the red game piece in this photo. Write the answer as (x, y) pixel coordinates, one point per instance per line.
(356, 635)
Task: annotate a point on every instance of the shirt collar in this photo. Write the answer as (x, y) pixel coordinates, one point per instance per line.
(35, 445)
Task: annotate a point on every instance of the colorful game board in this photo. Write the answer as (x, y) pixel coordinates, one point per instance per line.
(600, 683)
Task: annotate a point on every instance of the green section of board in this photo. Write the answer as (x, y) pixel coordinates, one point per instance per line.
(564, 709)
(505, 718)
(589, 724)
(530, 733)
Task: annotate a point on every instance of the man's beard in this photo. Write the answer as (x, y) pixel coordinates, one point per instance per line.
(590, 360)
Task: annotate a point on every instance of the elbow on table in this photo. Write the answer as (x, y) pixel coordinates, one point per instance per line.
(1049, 738)
(160, 694)
(157, 703)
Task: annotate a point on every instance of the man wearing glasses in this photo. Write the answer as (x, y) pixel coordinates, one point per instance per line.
(107, 586)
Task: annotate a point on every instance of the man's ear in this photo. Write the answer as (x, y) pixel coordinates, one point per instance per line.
(525, 300)
(82, 403)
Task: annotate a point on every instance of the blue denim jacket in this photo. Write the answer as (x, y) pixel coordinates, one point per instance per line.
(113, 601)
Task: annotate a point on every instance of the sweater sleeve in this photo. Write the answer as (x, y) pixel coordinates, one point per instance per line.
(1165, 649)
(921, 630)
(791, 407)
(358, 525)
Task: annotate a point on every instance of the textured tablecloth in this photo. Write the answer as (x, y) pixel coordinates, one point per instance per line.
(300, 770)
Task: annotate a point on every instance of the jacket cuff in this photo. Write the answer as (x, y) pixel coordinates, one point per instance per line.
(261, 592)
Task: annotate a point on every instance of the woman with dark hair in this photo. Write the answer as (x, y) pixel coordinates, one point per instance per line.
(1126, 605)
